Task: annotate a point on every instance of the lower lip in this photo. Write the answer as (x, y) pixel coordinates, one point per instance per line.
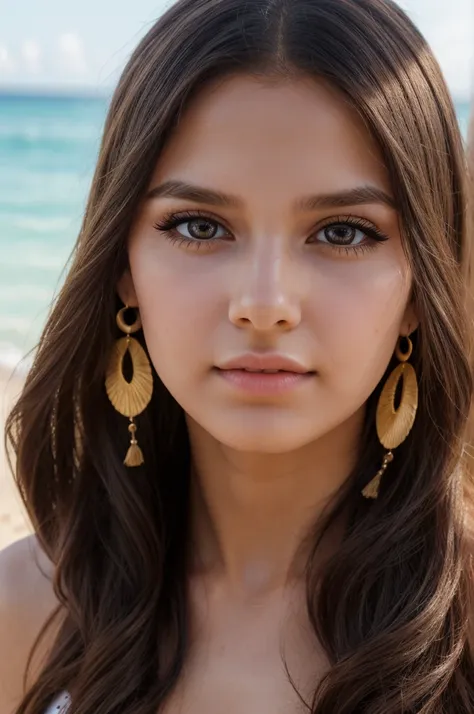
(264, 383)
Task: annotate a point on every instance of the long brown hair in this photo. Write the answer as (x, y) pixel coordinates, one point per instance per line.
(392, 607)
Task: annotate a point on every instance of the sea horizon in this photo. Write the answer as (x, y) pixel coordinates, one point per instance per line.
(56, 91)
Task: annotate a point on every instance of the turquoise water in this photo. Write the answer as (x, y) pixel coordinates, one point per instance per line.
(48, 149)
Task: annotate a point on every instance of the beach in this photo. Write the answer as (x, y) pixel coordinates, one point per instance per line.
(13, 519)
(48, 150)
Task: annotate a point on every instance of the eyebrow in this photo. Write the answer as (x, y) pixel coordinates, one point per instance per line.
(351, 197)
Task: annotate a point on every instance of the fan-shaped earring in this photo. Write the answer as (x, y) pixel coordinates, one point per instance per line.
(394, 424)
(129, 398)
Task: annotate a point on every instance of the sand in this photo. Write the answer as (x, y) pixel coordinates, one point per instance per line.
(13, 519)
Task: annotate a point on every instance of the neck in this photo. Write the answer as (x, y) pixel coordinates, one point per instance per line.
(253, 514)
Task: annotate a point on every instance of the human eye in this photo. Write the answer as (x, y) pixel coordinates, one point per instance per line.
(192, 229)
(349, 234)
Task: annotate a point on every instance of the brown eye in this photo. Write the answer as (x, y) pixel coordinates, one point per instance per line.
(342, 234)
(200, 229)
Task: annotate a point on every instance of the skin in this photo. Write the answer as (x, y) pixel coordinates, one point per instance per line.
(264, 467)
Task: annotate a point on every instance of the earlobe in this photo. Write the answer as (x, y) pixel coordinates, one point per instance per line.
(126, 289)
(410, 321)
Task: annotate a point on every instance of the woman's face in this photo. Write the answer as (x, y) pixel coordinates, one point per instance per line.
(271, 231)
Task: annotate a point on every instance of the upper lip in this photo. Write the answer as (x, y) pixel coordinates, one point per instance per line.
(261, 362)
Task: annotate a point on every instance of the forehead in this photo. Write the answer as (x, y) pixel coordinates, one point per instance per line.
(295, 135)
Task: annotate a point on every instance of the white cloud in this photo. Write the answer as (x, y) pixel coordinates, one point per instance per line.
(72, 53)
(31, 53)
(7, 64)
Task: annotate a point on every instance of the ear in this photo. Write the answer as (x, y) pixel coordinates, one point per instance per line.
(126, 289)
(410, 320)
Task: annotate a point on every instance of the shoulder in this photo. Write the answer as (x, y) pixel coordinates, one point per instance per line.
(24, 564)
(26, 601)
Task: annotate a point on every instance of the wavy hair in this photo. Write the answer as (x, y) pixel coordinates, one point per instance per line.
(391, 608)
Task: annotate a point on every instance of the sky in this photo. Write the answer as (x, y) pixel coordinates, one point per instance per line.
(67, 45)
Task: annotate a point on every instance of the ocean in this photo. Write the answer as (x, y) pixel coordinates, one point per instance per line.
(48, 150)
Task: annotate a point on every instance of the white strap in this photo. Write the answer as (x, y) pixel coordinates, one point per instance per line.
(60, 705)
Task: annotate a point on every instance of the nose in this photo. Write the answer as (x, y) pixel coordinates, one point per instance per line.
(266, 295)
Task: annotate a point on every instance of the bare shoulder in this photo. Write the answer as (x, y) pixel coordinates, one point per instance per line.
(26, 602)
(24, 565)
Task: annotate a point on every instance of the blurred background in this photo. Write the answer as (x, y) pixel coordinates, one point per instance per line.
(59, 64)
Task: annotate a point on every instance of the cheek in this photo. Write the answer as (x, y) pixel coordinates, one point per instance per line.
(179, 308)
(361, 320)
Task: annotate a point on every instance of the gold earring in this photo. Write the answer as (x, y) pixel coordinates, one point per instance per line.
(129, 398)
(394, 425)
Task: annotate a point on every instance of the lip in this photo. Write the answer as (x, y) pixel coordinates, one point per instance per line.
(265, 361)
(292, 375)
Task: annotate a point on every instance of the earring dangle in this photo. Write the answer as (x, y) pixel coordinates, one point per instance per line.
(394, 424)
(129, 398)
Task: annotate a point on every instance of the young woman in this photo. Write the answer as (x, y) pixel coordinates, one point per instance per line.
(241, 443)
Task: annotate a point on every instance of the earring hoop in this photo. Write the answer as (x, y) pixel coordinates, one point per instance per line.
(404, 356)
(128, 329)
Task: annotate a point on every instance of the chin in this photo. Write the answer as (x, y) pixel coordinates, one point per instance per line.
(263, 438)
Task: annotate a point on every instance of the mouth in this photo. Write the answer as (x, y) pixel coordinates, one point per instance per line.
(265, 363)
(263, 371)
(264, 382)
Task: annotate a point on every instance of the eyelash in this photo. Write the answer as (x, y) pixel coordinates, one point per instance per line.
(170, 222)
